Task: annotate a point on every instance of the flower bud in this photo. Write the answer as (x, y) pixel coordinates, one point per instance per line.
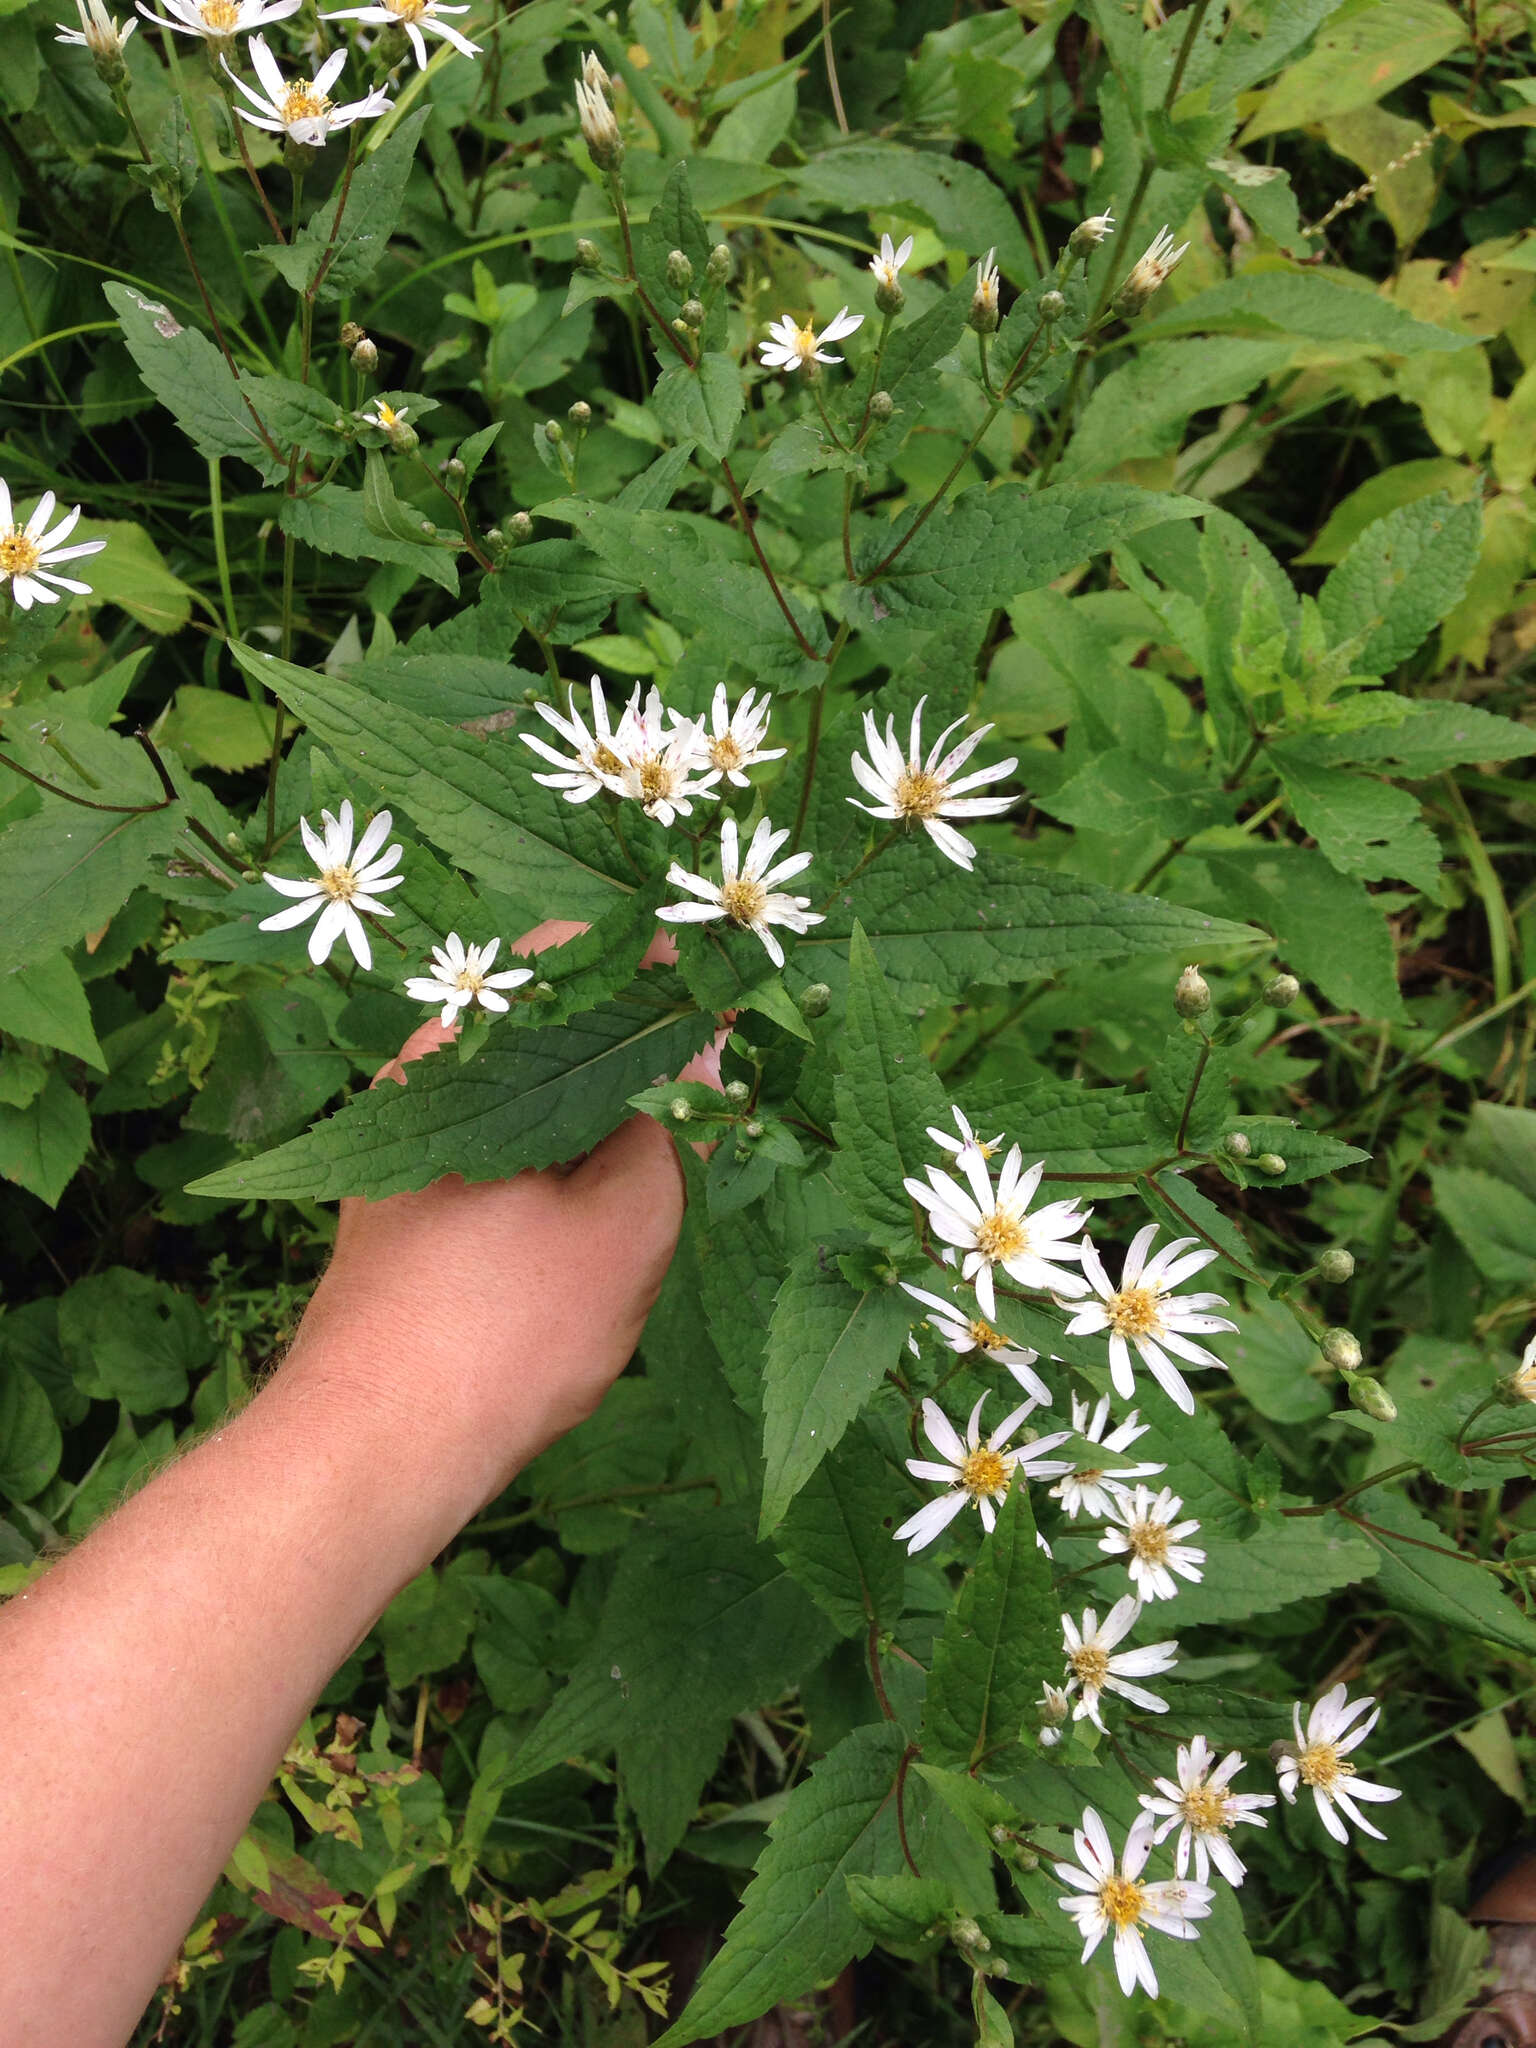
(1051, 307)
(966, 1932)
(752, 1130)
(454, 471)
(351, 334)
(365, 357)
(1341, 1348)
(679, 272)
(1237, 1144)
(1371, 1398)
(881, 406)
(599, 129)
(691, 313)
(682, 1109)
(736, 1091)
(1281, 991)
(404, 437)
(519, 528)
(889, 296)
(580, 415)
(553, 431)
(741, 1154)
(720, 265)
(1088, 234)
(1336, 1266)
(588, 255)
(1150, 273)
(1270, 1163)
(1192, 997)
(984, 315)
(815, 1000)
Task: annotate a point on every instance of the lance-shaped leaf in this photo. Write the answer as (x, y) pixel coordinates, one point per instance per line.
(835, 1541)
(530, 1098)
(65, 870)
(887, 1094)
(1001, 1641)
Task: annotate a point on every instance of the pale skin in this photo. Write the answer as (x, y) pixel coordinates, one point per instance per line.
(151, 1680)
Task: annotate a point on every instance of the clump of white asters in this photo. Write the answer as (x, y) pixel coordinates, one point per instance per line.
(1112, 1899)
(732, 741)
(789, 347)
(1142, 1311)
(1095, 1666)
(656, 769)
(1145, 1533)
(302, 111)
(1150, 272)
(100, 34)
(1204, 1811)
(1333, 1729)
(964, 1334)
(584, 772)
(1091, 1489)
(28, 554)
(746, 894)
(598, 126)
(975, 1473)
(218, 21)
(967, 1146)
(926, 792)
(346, 884)
(461, 975)
(413, 16)
(995, 1228)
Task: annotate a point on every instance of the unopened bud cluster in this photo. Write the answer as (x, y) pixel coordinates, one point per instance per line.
(599, 129)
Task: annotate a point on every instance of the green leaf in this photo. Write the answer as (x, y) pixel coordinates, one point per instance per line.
(1171, 1077)
(701, 403)
(1403, 575)
(796, 1926)
(1437, 1386)
(45, 1003)
(426, 1627)
(921, 186)
(43, 1141)
(1309, 305)
(1286, 1558)
(30, 1440)
(674, 223)
(131, 572)
(1421, 1572)
(1495, 1223)
(65, 871)
(829, 1346)
(1360, 59)
(1143, 408)
(834, 1540)
(1328, 929)
(1307, 1154)
(333, 520)
(1419, 739)
(274, 1068)
(886, 1094)
(1001, 1641)
(192, 381)
(1121, 790)
(1365, 827)
(217, 728)
(369, 211)
(1254, 47)
(132, 1339)
(907, 1915)
(532, 1098)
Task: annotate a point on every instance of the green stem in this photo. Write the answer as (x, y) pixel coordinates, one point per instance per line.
(220, 545)
(763, 563)
(1194, 1088)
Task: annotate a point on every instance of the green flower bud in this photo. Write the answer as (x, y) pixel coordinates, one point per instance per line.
(1051, 307)
(1336, 1266)
(815, 1000)
(404, 437)
(752, 1130)
(519, 528)
(741, 1154)
(679, 273)
(1270, 1163)
(1282, 991)
(966, 1932)
(682, 1109)
(454, 471)
(1341, 1348)
(736, 1091)
(890, 298)
(365, 357)
(1237, 1144)
(588, 255)
(691, 313)
(1088, 234)
(553, 431)
(580, 415)
(494, 537)
(1371, 1398)
(721, 263)
(1192, 997)
(881, 406)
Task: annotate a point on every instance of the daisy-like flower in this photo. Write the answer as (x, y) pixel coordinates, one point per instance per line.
(1333, 1729)
(217, 21)
(1204, 1811)
(732, 741)
(1142, 1311)
(385, 417)
(29, 554)
(967, 1145)
(887, 265)
(1091, 1489)
(984, 309)
(303, 112)
(1150, 272)
(413, 16)
(1111, 1900)
(796, 348)
(994, 1228)
(1145, 1533)
(964, 1334)
(1095, 1666)
(582, 773)
(746, 893)
(657, 769)
(598, 126)
(346, 884)
(926, 792)
(972, 1471)
(98, 32)
(461, 976)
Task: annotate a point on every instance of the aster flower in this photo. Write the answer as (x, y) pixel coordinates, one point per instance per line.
(1110, 1899)
(1145, 1533)
(964, 1334)
(304, 113)
(1142, 1311)
(28, 554)
(598, 126)
(1095, 1666)
(732, 741)
(1319, 1761)
(1091, 1489)
(967, 1145)
(1054, 1708)
(581, 773)
(1150, 272)
(925, 792)
(413, 16)
(346, 884)
(887, 265)
(972, 1471)
(1204, 1811)
(219, 20)
(996, 1229)
(1089, 233)
(386, 418)
(656, 769)
(984, 309)
(461, 976)
(796, 348)
(745, 893)
(98, 32)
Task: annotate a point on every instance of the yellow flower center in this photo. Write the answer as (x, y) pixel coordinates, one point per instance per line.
(387, 416)
(724, 753)
(656, 780)
(918, 794)
(1322, 1766)
(1149, 1541)
(804, 343)
(339, 883)
(606, 759)
(1121, 1899)
(1206, 1810)
(985, 1473)
(743, 900)
(1090, 1664)
(222, 16)
(408, 10)
(1133, 1312)
(302, 103)
(470, 978)
(984, 1336)
(1001, 1236)
(19, 555)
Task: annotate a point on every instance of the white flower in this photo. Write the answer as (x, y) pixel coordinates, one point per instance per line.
(1116, 1900)
(582, 775)
(887, 265)
(460, 977)
(923, 792)
(1151, 272)
(657, 769)
(346, 884)
(1089, 233)
(964, 1333)
(1095, 1666)
(995, 1229)
(386, 419)
(218, 20)
(745, 892)
(1142, 1311)
(28, 555)
(413, 16)
(796, 348)
(98, 32)
(967, 1146)
(1204, 1811)
(598, 125)
(1091, 1489)
(973, 1471)
(1146, 1534)
(1320, 1762)
(733, 740)
(984, 299)
(303, 112)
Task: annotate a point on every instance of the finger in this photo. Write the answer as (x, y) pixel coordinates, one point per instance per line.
(554, 931)
(662, 951)
(428, 1037)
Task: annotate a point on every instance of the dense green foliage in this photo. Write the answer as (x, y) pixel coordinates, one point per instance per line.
(393, 441)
